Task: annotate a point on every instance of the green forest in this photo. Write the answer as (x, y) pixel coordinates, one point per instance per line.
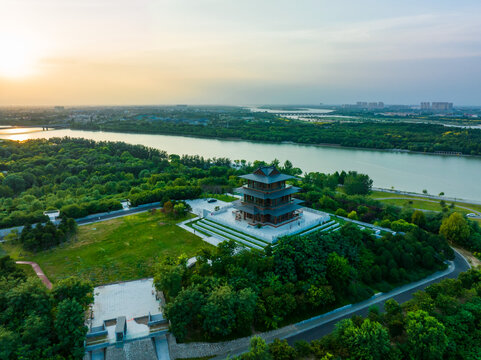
(37, 323)
(269, 128)
(442, 322)
(82, 177)
(228, 293)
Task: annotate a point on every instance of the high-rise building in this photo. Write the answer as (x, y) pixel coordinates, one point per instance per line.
(375, 105)
(361, 104)
(426, 105)
(442, 106)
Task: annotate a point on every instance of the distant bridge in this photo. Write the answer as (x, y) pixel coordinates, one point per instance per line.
(300, 113)
(54, 126)
(45, 127)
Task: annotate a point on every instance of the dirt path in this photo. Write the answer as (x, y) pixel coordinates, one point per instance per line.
(38, 271)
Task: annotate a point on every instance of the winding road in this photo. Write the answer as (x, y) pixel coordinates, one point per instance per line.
(322, 325)
(314, 331)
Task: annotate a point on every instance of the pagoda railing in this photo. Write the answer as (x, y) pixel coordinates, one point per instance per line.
(266, 191)
(264, 207)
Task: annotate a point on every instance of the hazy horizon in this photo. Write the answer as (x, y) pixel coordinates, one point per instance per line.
(121, 53)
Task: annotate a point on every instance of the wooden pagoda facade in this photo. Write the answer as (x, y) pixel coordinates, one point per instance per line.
(266, 199)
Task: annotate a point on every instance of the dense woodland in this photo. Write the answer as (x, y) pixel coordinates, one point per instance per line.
(37, 323)
(229, 293)
(344, 194)
(442, 322)
(81, 177)
(368, 134)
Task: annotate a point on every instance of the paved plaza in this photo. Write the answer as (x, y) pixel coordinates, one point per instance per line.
(132, 299)
(307, 219)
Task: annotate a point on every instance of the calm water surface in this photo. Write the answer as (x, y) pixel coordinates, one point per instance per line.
(454, 175)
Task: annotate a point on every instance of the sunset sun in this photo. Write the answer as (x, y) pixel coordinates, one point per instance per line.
(17, 58)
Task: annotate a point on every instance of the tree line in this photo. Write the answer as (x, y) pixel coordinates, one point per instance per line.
(346, 194)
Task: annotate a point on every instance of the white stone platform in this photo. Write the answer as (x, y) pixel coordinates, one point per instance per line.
(132, 299)
(199, 205)
(308, 219)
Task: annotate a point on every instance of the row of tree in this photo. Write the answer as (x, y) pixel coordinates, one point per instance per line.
(41, 237)
(329, 192)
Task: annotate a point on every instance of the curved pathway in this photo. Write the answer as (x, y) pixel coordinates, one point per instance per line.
(38, 271)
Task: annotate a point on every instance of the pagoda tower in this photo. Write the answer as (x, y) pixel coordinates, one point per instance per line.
(266, 199)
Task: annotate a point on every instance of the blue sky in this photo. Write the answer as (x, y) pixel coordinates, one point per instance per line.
(239, 52)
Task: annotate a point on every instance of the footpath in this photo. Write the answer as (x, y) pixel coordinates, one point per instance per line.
(38, 271)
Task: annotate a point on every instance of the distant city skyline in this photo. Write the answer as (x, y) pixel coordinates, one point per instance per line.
(119, 52)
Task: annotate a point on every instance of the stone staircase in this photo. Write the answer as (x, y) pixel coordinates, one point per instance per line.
(223, 235)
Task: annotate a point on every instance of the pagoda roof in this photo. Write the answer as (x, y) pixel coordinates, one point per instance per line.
(267, 175)
(289, 190)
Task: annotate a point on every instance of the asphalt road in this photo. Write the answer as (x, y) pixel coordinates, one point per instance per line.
(460, 265)
(116, 215)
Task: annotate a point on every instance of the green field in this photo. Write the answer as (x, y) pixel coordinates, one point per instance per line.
(125, 248)
(422, 203)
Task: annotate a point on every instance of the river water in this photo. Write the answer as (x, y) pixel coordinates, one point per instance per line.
(456, 176)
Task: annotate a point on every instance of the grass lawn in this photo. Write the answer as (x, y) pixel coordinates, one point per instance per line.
(124, 248)
(420, 203)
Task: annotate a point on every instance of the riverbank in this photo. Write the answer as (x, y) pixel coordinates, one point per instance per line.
(229, 138)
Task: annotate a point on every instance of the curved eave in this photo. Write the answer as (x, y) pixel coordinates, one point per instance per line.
(267, 179)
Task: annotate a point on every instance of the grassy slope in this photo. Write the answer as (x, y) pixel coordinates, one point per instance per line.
(120, 249)
(433, 205)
